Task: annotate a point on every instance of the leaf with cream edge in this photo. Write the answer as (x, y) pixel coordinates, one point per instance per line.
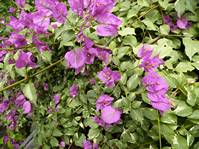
(30, 92)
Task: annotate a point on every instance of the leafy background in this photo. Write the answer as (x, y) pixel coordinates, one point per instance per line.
(141, 126)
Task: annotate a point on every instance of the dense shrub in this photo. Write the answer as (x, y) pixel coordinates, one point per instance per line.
(99, 74)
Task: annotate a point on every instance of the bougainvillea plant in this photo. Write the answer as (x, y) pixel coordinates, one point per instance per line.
(99, 74)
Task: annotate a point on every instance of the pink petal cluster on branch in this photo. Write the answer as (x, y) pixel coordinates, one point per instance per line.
(89, 145)
(181, 23)
(73, 91)
(37, 23)
(78, 58)
(156, 85)
(109, 114)
(25, 59)
(109, 77)
(19, 101)
(100, 11)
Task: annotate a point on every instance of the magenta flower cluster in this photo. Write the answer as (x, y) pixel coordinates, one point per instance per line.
(37, 23)
(56, 99)
(181, 23)
(25, 59)
(77, 59)
(109, 77)
(109, 114)
(100, 11)
(17, 40)
(73, 91)
(17, 102)
(156, 85)
(39, 20)
(89, 145)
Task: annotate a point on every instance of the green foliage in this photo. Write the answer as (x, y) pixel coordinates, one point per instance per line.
(191, 47)
(30, 92)
(141, 125)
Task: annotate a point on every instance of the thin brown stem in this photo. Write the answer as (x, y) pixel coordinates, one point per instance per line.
(27, 78)
(146, 12)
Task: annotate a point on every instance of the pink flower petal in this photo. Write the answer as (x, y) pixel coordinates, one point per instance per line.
(27, 107)
(106, 30)
(110, 115)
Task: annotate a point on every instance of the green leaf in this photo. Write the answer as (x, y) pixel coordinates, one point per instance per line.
(1, 140)
(46, 146)
(168, 132)
(1, 65)
(130, 40)
(93, 133)
(153, 15)
(118, 103)
(117, 91)
(178, 142)
(143, 3)
(112, 45)
(54, 142)
(46, 56)
(164, 29)
(169, 118)
(66, 37)
(123, 51)
(171, 80)
(184, 67)
(191, 96)
(191, 5)
(126, 65)
(164, 3)
(137, 115)
(150, 25)
(190, 139)
(194, 130)
(132, 82)
(58, 32)
(120, 144)
(133, 11)
(123, 79)
(57, 133)
(191, 47)
(181, 80)
(124, 5)
(180, 6)
(21, 71)
(30, 92)
(196, 65)
(150, 113)
(91, 123)
(136, 104)
(194, 115)
(183, 109)
(127, 31)
(73, 103)
(79, 140)
(126, 136)
(164, 47)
